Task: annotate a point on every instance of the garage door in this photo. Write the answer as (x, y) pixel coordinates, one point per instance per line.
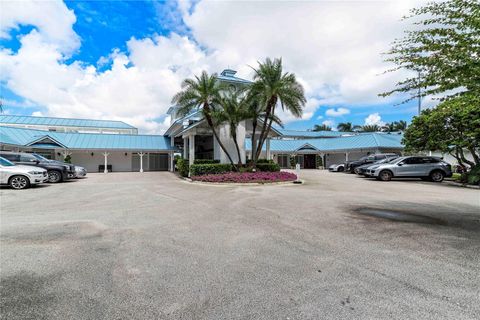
(158, 162)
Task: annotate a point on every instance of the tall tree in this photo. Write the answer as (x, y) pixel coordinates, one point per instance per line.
(202, 92)
(452, 127)
(234, 109)
(272, 86)
(401, 125)
(345, 127)
(370, 128)
(442, 52)
(321, 127)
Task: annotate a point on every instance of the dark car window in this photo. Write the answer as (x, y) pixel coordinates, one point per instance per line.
(380, 157)
(430, 160)
(27, 158)
(413, 160)
(11, 156)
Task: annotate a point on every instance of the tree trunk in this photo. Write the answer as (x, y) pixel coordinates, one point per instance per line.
(462, 156)
(261, 142)
(476, 158)
(254, 141)
(270, 106)
(234, 136)
(206, 108)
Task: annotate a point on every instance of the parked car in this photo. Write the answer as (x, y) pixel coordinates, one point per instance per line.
(78, 172)
(426, 168)
(362, 170)
(351, 165)
(56, 172)
(20, 176)
(337, 167)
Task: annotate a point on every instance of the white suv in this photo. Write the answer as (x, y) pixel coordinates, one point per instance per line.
(20, 176)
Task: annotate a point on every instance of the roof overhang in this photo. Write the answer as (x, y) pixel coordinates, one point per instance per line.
(50, 141)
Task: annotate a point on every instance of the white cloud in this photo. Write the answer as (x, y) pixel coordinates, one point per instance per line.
(374, 119)
(333, 48)
(319, 117)
(330, 123)
(338, 112)
(53, 20)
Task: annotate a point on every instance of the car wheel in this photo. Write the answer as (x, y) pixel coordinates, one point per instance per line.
(19, 182)
(54, 176)
(385, 175)
(437, 176)
(340, 169)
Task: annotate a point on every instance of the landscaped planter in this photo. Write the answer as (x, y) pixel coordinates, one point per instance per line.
(247, 177)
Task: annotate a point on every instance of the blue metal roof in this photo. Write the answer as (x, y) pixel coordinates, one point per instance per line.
(67, 122)
(87, 141)
(363, 141)
(311, 134)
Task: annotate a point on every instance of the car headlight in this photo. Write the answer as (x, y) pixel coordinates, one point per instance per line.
(35, 172)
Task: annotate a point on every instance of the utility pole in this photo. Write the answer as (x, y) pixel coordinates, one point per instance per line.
(419, 94)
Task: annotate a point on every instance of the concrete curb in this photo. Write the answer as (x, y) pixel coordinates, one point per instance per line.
(461, 185)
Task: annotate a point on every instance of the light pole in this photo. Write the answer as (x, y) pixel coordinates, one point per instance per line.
(419, 94)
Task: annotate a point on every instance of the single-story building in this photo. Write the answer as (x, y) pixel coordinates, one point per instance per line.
(332, 150)
(96, 152)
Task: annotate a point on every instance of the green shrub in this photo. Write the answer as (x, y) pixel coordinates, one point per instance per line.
(182, 167)
(473, 176)
(293, 162)
(205, 161)
(211, 168)
(264, 161)
(268, 167)
(68, 159)
(319, 161)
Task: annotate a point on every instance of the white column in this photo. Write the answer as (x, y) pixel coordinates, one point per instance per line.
(172, 168)
(191, 149)
(346, 156)
(172, 141)
(105, 154)
(141, 154)
(185, 148)
(267, 146)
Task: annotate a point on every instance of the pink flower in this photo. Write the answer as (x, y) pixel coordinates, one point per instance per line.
(247, 177)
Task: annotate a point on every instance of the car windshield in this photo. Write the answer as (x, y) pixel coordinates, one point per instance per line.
(39, 157)
(5, 163)
(397, 160)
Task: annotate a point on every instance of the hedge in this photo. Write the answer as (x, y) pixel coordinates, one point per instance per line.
(205, 161)
(268, 167)
(182, 167)
(212, 168)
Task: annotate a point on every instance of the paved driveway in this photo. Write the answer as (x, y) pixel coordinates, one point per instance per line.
(150, 246)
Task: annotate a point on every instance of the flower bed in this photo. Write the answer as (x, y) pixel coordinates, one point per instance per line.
(247, 177)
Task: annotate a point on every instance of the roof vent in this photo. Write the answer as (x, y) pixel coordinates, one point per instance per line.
(228, 73)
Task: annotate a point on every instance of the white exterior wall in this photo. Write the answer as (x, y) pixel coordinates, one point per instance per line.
(224, 135)
(117, 159)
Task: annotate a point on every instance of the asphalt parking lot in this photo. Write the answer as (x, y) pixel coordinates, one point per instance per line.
(151, 246)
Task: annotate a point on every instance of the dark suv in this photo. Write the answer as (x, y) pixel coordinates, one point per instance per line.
(56, 171)
(351, 165)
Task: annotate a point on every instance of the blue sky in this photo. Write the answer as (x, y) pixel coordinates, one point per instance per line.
(124, 60)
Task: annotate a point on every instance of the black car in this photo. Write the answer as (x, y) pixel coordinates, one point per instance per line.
(351, 165)
(57, 172)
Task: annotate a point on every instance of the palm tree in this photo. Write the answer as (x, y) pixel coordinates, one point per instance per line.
(234, 109)
(202, 92)
(272, 86)
(389, 127)
(345, 127)
(401, 125)
(370, 128)
(322, 127)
